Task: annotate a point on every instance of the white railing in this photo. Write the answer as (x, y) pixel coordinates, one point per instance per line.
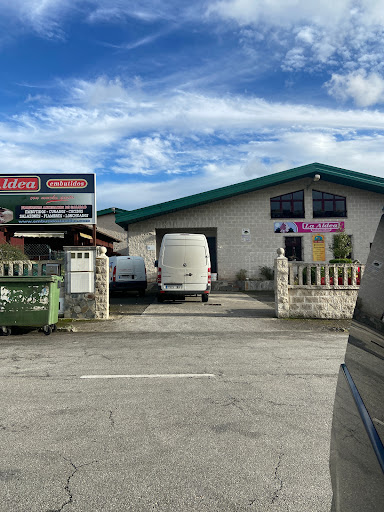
(320, 274)
(26, 268)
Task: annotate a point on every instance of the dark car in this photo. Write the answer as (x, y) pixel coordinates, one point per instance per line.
(357, 452)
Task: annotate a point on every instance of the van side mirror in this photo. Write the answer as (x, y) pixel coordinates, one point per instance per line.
(156, 263)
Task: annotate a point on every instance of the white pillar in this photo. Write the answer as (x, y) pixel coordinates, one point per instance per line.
(281, 285)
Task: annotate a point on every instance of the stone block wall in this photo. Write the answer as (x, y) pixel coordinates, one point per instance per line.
(312, 301)
(80, 306)
(320, 303)
(95, 305)
(102, 285)
(259, 286)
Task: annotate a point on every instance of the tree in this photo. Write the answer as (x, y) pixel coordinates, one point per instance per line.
(9, 252)
(341, 246)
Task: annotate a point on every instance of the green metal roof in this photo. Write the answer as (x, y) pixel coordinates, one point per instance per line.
(110, 210)
(327, 173)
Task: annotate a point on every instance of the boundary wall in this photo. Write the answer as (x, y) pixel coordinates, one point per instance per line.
(78, 306)
(315, 290)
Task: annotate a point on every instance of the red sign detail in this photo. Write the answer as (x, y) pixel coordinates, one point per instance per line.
(56, 184)
(19, 184)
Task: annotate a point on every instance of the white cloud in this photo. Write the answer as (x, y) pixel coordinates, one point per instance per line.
(48, 18)
(37, 98)
(334, 33)
(364, 89)
(186, 143)
(306, 35)
(137, 194)
(303, 35)
(279, 152)
(281, 12)
(20, 159)
(294, 60)
(102, 91)
(44, 17)
(144, 156)
(182, 114)
(105, 113)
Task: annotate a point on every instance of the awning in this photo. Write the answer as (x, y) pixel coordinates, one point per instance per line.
(40, 234)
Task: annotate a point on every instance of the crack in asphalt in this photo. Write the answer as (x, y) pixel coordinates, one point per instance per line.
(111, 419)
(230, 401)
(277, 479)
(67, 486)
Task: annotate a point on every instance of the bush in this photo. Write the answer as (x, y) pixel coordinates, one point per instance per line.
(341, 260)
(242, 274)
(267, 272)
(9, 252)
(341, 245)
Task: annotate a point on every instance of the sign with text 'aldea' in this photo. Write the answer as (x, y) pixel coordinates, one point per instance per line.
(47, 199)
(309, 227)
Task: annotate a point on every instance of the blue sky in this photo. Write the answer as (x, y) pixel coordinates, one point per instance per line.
(162, 99)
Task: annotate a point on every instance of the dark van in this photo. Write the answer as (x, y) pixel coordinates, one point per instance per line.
(357, 452)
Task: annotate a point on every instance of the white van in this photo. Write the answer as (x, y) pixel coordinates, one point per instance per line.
(184, 267)
(127, 273)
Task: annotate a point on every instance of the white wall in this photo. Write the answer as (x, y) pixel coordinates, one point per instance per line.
(252, 211)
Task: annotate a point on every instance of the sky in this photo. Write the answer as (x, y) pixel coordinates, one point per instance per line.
(164, 99)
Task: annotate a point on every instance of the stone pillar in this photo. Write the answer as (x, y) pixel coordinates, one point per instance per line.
(281, 285)
(102, 284)
(79, 305)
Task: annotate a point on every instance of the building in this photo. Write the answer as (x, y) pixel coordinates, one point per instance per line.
(106, 222)
(300, 209)
(41, 242)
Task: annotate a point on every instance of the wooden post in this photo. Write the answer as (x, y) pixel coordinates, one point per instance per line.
(94, 235)
(75, 238)
(8, 235)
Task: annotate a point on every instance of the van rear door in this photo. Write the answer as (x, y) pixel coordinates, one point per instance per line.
(196, 266)
(172, 265)
(125, 270)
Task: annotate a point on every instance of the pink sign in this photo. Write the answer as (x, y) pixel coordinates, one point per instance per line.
(308, 227)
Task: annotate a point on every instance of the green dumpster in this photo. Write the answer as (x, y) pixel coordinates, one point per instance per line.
(29, 302)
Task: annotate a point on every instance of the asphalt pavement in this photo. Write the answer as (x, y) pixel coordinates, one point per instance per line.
(179, 406)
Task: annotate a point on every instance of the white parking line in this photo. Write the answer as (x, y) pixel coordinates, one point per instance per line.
(151, 376)
(375, 420)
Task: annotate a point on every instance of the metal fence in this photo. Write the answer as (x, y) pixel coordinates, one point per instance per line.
(42, 252)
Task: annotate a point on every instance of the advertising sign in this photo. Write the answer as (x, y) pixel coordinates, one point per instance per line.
(308, 227)
(318, 247)
(47, 199)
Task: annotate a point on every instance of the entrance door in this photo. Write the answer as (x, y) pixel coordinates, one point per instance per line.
(293, 249)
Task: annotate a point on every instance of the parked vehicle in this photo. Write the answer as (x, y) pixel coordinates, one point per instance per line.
(184, 267)
(127, 273)
(357, 452)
